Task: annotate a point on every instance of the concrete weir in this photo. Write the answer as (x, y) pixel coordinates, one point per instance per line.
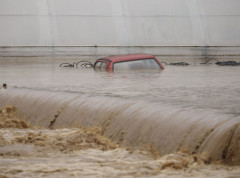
(132, 123)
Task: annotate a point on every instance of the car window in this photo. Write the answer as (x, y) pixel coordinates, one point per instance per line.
(137, 64)
(98, 64)
(104, 65)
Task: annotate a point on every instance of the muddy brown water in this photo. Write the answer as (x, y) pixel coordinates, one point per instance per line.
(127, 123)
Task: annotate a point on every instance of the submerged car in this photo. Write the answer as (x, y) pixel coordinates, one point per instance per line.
(132, 61)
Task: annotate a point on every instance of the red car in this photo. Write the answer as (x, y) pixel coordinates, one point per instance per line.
(132, 61)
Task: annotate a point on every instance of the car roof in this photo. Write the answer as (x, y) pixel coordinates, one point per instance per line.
(127, 57)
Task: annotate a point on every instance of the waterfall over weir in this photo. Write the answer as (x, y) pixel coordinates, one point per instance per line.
(132, 123)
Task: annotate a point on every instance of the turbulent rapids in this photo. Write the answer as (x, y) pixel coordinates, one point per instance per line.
(27, 151)
(131, 123)
(61, 122)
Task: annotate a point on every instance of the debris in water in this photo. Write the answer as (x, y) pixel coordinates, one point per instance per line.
(228, 63)
(179, 64)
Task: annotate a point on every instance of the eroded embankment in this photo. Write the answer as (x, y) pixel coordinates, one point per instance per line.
(132, 123)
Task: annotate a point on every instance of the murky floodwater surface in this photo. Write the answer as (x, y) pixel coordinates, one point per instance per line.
(36, 152)
(207, 87)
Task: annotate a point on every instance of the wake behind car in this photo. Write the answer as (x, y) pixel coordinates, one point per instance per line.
(132, 61)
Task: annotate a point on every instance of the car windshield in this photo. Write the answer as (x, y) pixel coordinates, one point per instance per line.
(137, 64)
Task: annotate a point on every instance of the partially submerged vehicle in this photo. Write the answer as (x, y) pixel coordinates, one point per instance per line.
(132, 61)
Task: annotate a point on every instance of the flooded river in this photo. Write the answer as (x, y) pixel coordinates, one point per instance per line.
(197, 87)
(65, 122)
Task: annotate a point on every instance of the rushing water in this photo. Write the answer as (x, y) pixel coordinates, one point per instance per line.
(212, 92)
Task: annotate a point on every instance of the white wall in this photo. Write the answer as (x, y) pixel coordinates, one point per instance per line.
(120, 22)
